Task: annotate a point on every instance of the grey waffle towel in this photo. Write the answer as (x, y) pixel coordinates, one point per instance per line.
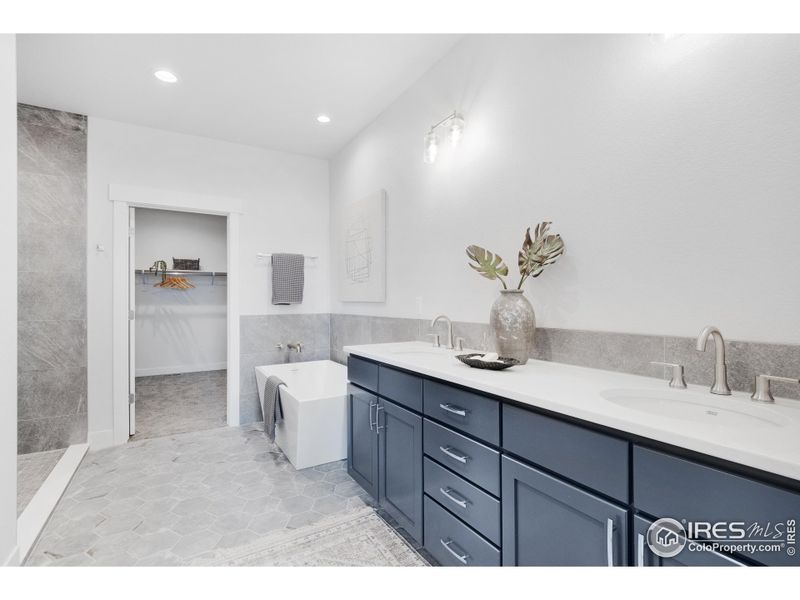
(272, 409)
(288, 277)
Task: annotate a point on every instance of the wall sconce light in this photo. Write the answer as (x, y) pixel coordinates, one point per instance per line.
(455, 131)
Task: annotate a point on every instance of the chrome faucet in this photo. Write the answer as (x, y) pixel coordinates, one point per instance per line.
(296, 346)
(720, 385)
(449, 329)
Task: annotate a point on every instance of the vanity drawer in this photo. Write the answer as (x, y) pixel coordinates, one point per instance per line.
(362, 372)
(454, 544)
(588, 457)
(470, 459)
(463, 410)
(469, 503)
(400, 387)
(668, 486)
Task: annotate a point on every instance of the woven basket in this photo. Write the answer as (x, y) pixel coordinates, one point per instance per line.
(186, 264)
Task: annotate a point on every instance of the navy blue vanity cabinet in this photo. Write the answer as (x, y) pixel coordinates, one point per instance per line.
(644, 557)
(400, 465)
(362, 439)
(548, 522)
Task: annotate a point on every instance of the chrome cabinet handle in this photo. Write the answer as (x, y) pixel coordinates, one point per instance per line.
(610, 541)
(640, 550)
(371, 406)
(452, 495)
(378, 426)
(456, 410)
(462, 458)
(462, 558)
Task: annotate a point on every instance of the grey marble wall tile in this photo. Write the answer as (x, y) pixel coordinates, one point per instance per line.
(249, 409)
(38, 435)
(51, 344)
(50, 150)
(52, 296)
(745, 361)
(48, 247)
(261, 333)
(628, 353)
(349, 330)
(47, 117)
(51, 199)
(51, 393)
(388, 329)
(51, 278)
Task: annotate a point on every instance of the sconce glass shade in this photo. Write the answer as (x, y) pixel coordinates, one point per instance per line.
(456, 129)
(431, 147)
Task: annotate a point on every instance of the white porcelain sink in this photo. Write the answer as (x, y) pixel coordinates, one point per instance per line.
(722, 411)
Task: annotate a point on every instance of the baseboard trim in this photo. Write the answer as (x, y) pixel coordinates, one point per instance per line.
(35, 516)
(174, 370)
(101, 439)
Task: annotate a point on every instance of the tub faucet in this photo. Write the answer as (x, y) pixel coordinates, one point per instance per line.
(720, 385)
(296, 346)
(447, 320)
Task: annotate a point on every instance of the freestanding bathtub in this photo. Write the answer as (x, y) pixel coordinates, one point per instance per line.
(314, 426)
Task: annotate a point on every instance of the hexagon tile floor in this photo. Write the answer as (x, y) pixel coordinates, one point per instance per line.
(166, 501)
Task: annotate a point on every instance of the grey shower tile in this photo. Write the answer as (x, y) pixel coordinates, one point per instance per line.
(262, 333)
(51, 393)
(51, 247)
(47, 117)
(50, 150)
(37, 435)
(51, 344)
(51, 199)
(52, 296)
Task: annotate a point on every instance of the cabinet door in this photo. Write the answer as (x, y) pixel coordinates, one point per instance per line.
(548, 522)
(362, 439)
(687, 558)
(400, 466)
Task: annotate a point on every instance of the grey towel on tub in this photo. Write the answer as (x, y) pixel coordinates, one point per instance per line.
(272, 409)
(288, 278)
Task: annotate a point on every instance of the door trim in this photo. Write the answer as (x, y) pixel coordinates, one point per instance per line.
(123, 197)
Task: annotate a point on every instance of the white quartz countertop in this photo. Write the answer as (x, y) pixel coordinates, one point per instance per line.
(733, 428)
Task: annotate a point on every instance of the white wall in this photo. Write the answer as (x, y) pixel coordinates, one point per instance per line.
(286, 208)
(180, 331)
(670, 169)
(8, 301)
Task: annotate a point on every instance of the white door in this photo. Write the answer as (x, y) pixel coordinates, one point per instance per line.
(131, 321)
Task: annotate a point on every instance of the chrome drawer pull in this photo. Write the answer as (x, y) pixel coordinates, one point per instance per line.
(371, 406)
(378, 426)
(640, 550)
(462, 458)
(456, 410)
(462, 558)
(610, 541)
(452, 495)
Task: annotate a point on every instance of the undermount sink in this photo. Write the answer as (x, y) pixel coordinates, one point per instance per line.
(686, 405)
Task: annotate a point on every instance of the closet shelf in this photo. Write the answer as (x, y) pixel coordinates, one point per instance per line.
(212, 274)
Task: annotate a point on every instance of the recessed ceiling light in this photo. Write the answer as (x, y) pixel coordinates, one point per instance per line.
(323, 118)
(165, 76)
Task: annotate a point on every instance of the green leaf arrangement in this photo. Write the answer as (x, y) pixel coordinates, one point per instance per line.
(488, 264)
(536, 253)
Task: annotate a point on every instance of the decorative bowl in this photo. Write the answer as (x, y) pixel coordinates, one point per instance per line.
(473, 360)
